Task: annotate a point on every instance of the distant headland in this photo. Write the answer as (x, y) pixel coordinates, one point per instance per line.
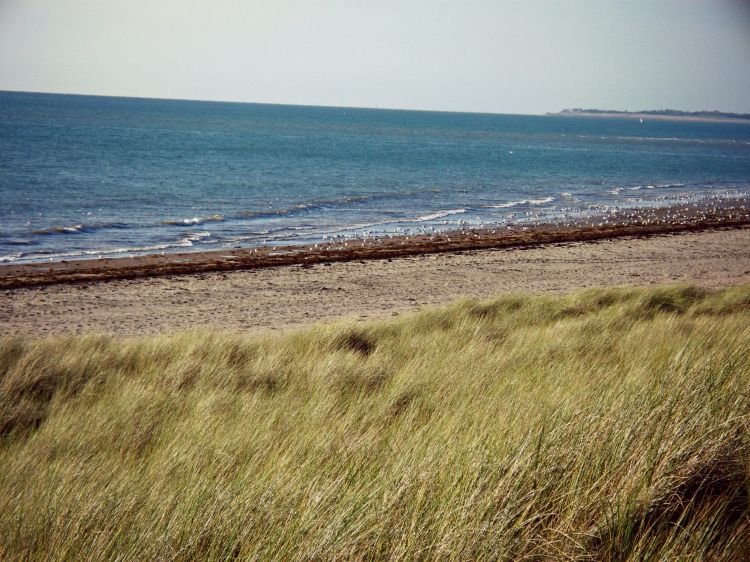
(661, 114)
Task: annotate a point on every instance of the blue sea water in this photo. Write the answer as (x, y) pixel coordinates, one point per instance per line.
(82, 176)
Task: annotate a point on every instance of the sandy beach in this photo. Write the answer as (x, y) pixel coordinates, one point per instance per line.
(284, 297)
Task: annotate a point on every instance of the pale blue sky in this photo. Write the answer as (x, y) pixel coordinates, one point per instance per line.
(506, 56)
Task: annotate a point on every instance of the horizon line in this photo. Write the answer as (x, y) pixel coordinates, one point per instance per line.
(365, 107)
(374, 108)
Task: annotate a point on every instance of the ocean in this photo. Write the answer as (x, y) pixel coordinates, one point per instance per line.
(86, 176)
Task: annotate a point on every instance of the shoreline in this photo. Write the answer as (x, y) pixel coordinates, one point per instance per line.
(264, 300)
(635, 223)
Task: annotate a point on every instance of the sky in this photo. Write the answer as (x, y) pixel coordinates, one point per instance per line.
(497, 56)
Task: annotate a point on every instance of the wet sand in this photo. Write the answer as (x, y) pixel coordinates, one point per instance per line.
(295, 295)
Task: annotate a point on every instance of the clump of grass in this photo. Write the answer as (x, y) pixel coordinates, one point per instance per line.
(355, 338)
(603, 425)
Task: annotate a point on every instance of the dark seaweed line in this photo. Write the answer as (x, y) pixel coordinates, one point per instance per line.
(210, 262)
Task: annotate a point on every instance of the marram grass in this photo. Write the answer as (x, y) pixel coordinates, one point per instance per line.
(605, 425)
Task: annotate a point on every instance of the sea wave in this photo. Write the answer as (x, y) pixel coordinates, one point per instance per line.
(184, 242)
(78, 228)
(510, 204)
(324, 204)
(11, 257)
(270, 213)
(309, 206)
(63, 229)
(194, 221)
(17, 241)
(438, 215)
(656, 186)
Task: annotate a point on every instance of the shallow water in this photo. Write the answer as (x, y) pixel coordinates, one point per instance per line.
(83, 176)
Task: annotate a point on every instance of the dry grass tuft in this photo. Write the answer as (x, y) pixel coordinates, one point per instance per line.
(355, 339)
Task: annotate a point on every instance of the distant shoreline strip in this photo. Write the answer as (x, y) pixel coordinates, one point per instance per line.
(653, 116)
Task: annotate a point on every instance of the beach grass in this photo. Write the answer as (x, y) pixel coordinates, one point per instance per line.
(602, 425)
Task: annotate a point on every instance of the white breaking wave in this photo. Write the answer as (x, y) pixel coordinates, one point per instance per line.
(439, 215)
(195, 220)
(185, 242)
(657, 186)
(62, 229)
(11, 257)
(522, 202)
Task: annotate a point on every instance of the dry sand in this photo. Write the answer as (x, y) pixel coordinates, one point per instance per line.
(293, 296)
